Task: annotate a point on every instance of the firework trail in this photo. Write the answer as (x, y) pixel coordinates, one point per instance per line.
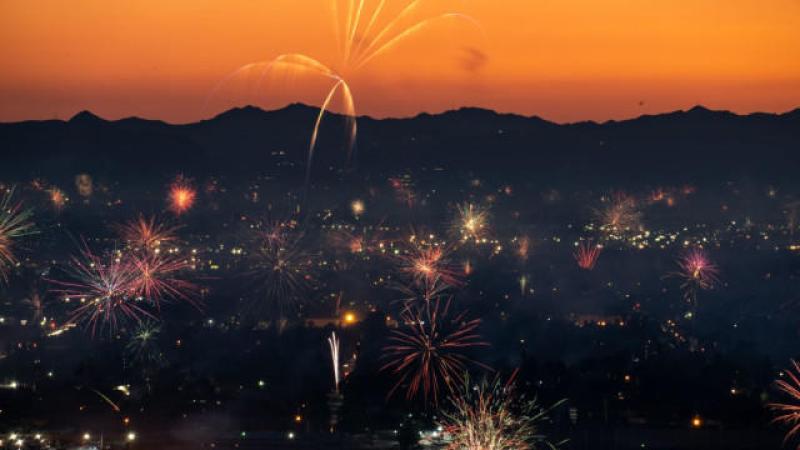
(425, 353)
(492, 416)
(15, 223)
(788, 414)
(698, 273)
(181, 195)
(333, 342)
(586, 255)
(362, 34)
(147, 233)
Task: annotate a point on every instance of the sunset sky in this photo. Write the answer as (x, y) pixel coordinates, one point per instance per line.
(564, 60)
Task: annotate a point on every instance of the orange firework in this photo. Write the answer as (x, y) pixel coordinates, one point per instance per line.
(620, 216)
(361, 34)
(181, 196)
(428, 264)
(586, 255)
(425, 353)
(158, 278)
(57, 198)
(472, 222)
(147, 232)
(788, 414)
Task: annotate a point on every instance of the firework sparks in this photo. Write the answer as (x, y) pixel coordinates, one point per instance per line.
(620, 216)
(147, 232)
(425, 353)
(157, 278)
(788, 414)
(15, 223)
(362, 36)
(143, 344)
(181, 196)
(57, 197)
(282, 267)
(105, 288)
(333, 342)
(698, 273)
(472, 222)
(586, 255)
(492, 416)
(428, 264)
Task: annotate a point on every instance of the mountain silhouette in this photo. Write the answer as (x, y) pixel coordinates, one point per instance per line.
(697, 145)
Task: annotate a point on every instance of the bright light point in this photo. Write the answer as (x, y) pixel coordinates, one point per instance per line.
(357, 207)
(349, 318)
(86, 436)
(131, 437)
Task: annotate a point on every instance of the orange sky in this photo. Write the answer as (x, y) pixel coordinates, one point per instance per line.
(564, 60)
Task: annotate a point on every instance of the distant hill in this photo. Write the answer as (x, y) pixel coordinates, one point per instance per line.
(697, 145)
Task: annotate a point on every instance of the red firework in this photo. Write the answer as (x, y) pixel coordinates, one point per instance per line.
(586, 255)
(147, 232)
(425, 352)
(428, 265)
(181, 196)
(788, 414)
(158, 279)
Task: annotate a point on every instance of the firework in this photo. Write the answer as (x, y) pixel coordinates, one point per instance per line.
(697, 272)
(181, 196)
(429, 264)
(57, 197)
(362, 35)
(621, 216)
(147, 232)
(472, 222)
(282, 267)
(333, 342)
(15, 223)
(158, 278)
(788, 414)
(105, 287)
(143, 344)
(425, 353)
(492, 416)
(586, 255)
(523, 248)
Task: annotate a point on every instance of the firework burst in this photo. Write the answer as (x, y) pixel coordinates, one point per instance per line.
(472, 222)
(333, 343)
(425, 353)
(620, 216)
(428, 265)
(15, 223)
(492, 416)
(105, 287)
(586, 255)
(143, 347)
(181, 196)
(363, 32)
(283, 268)
(698, 273)
(147, 233)
(158, 278)
(788, 414)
